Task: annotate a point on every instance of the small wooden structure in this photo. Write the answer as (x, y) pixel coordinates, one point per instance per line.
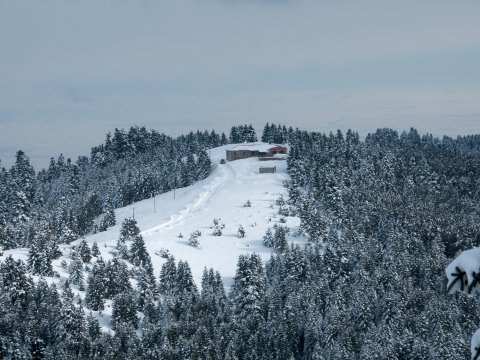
(222, 161)
(268, 170)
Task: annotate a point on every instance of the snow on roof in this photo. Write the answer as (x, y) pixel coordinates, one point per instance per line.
(259, 146)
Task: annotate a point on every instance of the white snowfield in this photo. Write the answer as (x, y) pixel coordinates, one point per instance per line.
(222, 195)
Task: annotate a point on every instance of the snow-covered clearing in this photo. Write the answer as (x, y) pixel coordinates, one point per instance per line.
(222, 195)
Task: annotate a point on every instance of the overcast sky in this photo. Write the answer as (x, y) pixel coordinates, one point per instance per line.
(70, 71)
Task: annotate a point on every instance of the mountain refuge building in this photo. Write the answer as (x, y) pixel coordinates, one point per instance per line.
(262, 150)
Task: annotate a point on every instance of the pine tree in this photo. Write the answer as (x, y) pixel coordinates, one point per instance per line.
(7, 236)
(109, 218)
(204, 165)
(234, 137)
(223, 139)
(37, 349)
(138, 252)
(129, 230)
(241, 232)
(266, 133)
(146, 288)
(190, 170)
(95, 250)
(76, 271)
(72, 325)
(280, 238)
(122, 249)
(248, 300)
(84, 251)
(250, 135)
(39, 263)
(217, 227)
(21, 212)
(268, 240)
(118, 278)
(124, 311)
(94, 297)
(68, 235)
(193, 239)
(168, 276)
(23, 175)
(184, 280)
(16, 285)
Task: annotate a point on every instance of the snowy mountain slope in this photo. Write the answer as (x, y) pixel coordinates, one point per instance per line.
(222, 195)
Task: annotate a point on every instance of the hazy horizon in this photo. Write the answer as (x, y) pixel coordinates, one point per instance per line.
(72, 71)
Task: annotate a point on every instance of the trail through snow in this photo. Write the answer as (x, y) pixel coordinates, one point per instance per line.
(222, 175)
(220, 196)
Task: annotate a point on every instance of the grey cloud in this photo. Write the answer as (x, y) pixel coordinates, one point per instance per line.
(194, 39)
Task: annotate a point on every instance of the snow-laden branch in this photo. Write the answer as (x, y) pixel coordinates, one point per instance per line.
(463, 275)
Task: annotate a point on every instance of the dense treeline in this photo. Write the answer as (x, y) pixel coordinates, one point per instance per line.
(277, 134)
(388, 213)
(382, 218)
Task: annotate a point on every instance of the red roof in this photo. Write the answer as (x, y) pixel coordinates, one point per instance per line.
(278, 148)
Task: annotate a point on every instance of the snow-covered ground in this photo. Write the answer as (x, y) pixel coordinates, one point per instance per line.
(222, 195)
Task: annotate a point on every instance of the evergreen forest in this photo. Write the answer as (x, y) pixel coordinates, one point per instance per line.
(383, 216)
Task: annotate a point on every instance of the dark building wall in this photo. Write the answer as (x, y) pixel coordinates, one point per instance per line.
(243, 154)
(268, 170)
(240, 154)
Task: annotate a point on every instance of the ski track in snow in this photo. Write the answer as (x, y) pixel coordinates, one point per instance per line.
(226, 173)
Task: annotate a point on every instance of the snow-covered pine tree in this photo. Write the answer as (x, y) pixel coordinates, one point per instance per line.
(268, 238)
(280, 238)
(75, 270)
(68, 235)
(138, 254)
(218, 227)
(248, 301)
(124, 310)
(71, 325)
(168, 276)
(146, 287)
(184, 279)
(39, 262)
(23, 175)
(109, 219)
(129, 229)
(94, 297)
(241, 232)
(84, 251)
(203, 165)
(128, 232)
(193, 239)
(95, 250)
(16, 285)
